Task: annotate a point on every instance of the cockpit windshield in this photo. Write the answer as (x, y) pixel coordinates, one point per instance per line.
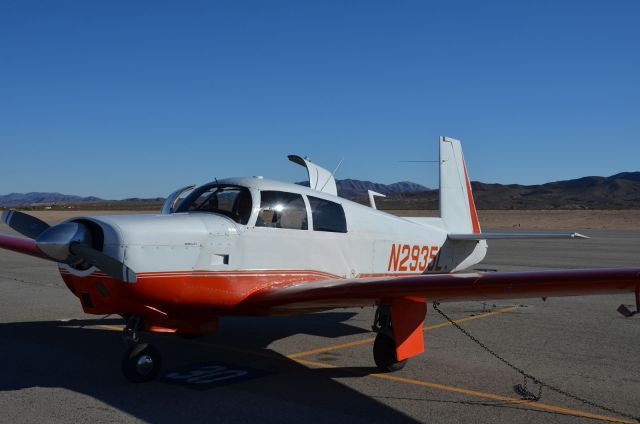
(232, 201)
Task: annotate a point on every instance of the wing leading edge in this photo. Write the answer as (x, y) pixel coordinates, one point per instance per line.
(329, 294)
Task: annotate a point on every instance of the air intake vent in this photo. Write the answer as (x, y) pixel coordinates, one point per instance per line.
(86, 300)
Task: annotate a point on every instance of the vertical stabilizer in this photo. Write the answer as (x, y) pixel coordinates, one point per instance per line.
(457, 208)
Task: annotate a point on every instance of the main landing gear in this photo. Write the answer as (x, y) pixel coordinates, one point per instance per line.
(141, 362)
(384, 347)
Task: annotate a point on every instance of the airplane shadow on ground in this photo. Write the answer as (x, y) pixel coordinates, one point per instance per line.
(78, 357)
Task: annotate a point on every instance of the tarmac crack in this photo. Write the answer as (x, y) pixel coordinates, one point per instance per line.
(33, 283)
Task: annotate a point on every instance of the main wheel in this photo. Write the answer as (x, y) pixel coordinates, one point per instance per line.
(141, 363)
(384, 354)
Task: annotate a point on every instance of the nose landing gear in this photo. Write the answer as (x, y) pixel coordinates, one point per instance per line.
(141, 362)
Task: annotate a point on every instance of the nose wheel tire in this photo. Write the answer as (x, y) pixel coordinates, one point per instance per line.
(141, 363)
(384, 354)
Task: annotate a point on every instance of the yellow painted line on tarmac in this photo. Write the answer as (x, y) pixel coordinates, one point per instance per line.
(372, 339)
(110, 327)
(367, 340)
(475, 393)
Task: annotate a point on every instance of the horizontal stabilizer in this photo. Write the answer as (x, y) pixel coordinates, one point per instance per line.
(498, 236)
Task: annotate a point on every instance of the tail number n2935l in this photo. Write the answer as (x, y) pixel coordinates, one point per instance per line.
(411, 257)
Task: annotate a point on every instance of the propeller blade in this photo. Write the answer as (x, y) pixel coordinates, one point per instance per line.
(25, 224)
(110, 266)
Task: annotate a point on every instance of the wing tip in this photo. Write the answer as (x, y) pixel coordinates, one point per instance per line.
(6, 216)
(579, 236)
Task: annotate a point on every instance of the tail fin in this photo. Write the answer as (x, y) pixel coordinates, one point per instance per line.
(457, 208)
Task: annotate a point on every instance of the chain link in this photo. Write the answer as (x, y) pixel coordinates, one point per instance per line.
(522, 389)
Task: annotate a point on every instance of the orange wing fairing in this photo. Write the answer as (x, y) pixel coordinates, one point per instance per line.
(411, 257)
(408, 316)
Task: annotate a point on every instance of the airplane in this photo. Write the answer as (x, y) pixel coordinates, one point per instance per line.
(254, 246)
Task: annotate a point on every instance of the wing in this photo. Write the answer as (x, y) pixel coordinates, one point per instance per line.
(20, 244)
(329, 294)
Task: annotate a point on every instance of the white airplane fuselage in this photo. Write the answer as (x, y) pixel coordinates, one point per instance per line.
(375, 243)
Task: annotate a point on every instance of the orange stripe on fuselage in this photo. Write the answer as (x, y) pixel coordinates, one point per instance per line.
(187, 292)
(180, 293)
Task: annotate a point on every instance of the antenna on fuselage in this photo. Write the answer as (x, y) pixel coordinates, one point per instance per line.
(336, 168)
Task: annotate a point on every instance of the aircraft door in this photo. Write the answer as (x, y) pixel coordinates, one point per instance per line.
(280, 237)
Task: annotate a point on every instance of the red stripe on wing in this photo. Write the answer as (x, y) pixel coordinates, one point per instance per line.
(20, 244)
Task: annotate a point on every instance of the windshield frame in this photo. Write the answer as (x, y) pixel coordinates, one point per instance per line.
(186, 203)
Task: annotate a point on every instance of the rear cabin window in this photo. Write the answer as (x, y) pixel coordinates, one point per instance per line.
(282, 210)
(327, 216)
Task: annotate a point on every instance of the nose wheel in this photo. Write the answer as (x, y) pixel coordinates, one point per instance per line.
(141, 362)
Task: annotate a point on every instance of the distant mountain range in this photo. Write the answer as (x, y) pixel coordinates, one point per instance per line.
(620, 191)
(37, 198)
(352, 188)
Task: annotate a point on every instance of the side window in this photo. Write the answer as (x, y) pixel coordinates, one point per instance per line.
(327, 216)
(282, 210)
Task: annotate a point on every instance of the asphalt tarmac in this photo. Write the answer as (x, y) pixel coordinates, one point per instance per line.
(60, 365)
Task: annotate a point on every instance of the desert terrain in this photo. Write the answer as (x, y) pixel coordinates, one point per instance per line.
(628, 219)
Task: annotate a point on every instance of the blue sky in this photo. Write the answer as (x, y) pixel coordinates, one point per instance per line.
(135, 98)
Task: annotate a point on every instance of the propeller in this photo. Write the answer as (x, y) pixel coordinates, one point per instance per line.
(69, 243)
(26, 225)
